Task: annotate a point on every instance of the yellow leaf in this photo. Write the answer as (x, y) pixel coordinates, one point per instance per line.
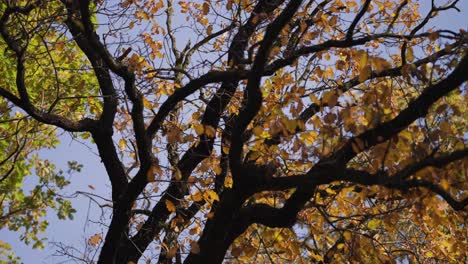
(204, 21)
(309, 137)
(315, 256)
(445, 126)
(340, 246)
(365, 73)
(445, 184)
(197, 196)
(159, 4)
(330, 98)
(363, 61)
(199, 129)
(146, 103)
(144, 15)
(210, 131)
(429, 254)
(170, 206)
(373, 224)
(351, 4)
(409, 54)
(290, 125)
(333, 21)
(347, 235)
(314, 99)
(446, 244)
(225, 149)
(210, 196)
(228, 182)
(258, 131)
(122, 144)
(158, 54)
(217, 169)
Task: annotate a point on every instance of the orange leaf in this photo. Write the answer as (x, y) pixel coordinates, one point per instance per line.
(170, 206)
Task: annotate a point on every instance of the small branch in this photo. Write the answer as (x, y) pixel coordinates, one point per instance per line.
(350, 33)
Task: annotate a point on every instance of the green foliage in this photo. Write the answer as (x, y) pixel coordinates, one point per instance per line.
(59, 82)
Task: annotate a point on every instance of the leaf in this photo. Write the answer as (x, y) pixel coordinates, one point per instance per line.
(315, 256)
(409, 55)
(347, 235)
(152, 172)
(122, 144)
(236, 251)
(365, 73)
(210, 196)
(309, 137)
(209, 29)
(199, 129)
(445, 184)
(314, 99)
(193, 231)
(170, 206)
(217, 169)
(209, 215)
(172, 252)
(205, 8)
(330, 98)
(210, 131)
(363, 61)
(445, 127)
(174, 134)
(177, 174)
(258, 130)
(197, 196)
(373, 224)
(228, 182)
(95, 240)
(194, 247)
(147, 104)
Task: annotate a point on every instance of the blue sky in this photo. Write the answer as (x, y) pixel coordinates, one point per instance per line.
(75, 232)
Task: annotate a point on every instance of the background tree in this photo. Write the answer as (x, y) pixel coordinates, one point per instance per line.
(273, 131)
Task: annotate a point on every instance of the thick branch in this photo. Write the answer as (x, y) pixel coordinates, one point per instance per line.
(211, 117)
(253, 97)
(350, 33)
(416, 109)
(285, 216)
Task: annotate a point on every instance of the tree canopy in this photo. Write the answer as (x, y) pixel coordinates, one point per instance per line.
(241, 131)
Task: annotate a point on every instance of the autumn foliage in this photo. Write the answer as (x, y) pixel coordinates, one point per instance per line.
(242, 131)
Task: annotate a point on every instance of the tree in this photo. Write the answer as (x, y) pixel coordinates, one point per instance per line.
(275, 131)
